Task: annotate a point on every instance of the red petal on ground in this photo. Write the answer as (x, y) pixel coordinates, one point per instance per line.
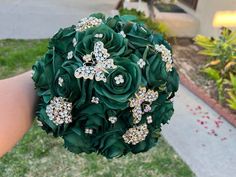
(224, 138)
(199, 107)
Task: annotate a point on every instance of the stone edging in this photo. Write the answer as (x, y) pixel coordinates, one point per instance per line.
(199, 92)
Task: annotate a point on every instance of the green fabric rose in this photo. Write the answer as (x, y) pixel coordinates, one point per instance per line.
(114, 43)
(116, 95)
(104, 86)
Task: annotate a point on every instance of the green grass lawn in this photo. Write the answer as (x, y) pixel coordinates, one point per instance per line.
(39, 154)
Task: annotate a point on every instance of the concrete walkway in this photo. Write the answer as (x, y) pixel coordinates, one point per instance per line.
(41, 19)
(205, 141)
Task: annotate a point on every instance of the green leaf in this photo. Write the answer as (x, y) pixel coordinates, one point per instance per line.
(232, 100)
(233, 81)
(212, 73)
(209, 53)
(232, 38)
(203, 41)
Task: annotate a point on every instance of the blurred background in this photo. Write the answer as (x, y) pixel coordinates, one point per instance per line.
(200, 139)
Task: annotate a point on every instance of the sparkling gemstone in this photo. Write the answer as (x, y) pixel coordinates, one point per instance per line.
(122, 33)
(99, 65)
(88, 131)
(87, 23)
(58, 111)
(136, 134)
(149, 119)
(74, 41)
(166, 56)
(99, 35)
(142, 96)
(60, 81)
(70, 55)
(147, 108)
(95, 100)
(112, 119)
(141, 63)
(87, 58)
(119, 79)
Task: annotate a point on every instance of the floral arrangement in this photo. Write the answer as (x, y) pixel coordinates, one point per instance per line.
(105, 85)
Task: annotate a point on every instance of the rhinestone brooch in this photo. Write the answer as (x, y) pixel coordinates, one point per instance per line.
(136, 134)
(87, 23)
(141, 63)
(59, 111)
(142, 103)
(101, 63)
(166, 56)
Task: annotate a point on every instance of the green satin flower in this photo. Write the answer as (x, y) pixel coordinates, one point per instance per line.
(156, 72)
(115, 94)
(139, 36)
(113, 42)
(62, 40)
(65, 83)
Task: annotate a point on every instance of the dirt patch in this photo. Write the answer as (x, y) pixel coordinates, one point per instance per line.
(189, 62)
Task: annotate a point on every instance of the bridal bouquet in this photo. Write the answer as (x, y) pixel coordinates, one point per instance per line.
(105, 85)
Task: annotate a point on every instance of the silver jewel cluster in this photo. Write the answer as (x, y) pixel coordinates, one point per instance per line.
(122, 33)
(149, 119)
(166, 56)
(112, 119)
(95, 100)
(100, 35)
(136, 134)
(59, 111)
(141, 104)
(96, 64)
(87, 23)
(74, 41)
(60, 81)
(141, 63)
(70, 55)
(88, 131)
(119, 79)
